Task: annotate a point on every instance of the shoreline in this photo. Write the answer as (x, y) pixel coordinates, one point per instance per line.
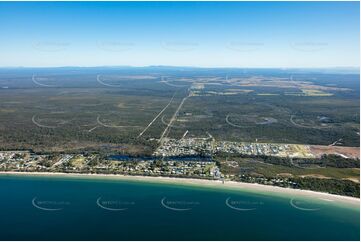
(239, 186)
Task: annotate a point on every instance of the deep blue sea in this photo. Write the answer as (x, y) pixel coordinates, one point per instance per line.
(54, 208)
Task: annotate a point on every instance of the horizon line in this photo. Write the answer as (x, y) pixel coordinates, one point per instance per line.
(200, 67)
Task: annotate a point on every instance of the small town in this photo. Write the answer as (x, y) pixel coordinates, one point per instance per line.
(25, 161)
(84, 163)
(208, 146)
(185, 158)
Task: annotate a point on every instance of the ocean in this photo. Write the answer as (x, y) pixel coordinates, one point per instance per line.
(66, 208)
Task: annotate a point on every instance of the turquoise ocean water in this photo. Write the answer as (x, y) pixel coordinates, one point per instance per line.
(54, 208)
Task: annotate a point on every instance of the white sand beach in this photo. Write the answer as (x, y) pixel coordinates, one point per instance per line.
(249, 187)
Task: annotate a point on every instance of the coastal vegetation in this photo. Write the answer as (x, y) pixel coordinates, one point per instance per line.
(330, 173)
(90, 117)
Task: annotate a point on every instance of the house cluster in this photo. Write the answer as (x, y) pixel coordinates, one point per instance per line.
(79, 163)
(185, 147)
(251, 148)
(197, 146)
(159, 167)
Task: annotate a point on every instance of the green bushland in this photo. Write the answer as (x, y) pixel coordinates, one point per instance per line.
(334, 186)
(329, 173)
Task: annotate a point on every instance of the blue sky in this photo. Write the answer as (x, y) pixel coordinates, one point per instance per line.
(205, 34)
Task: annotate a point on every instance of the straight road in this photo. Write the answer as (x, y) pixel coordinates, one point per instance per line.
(141, 133)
